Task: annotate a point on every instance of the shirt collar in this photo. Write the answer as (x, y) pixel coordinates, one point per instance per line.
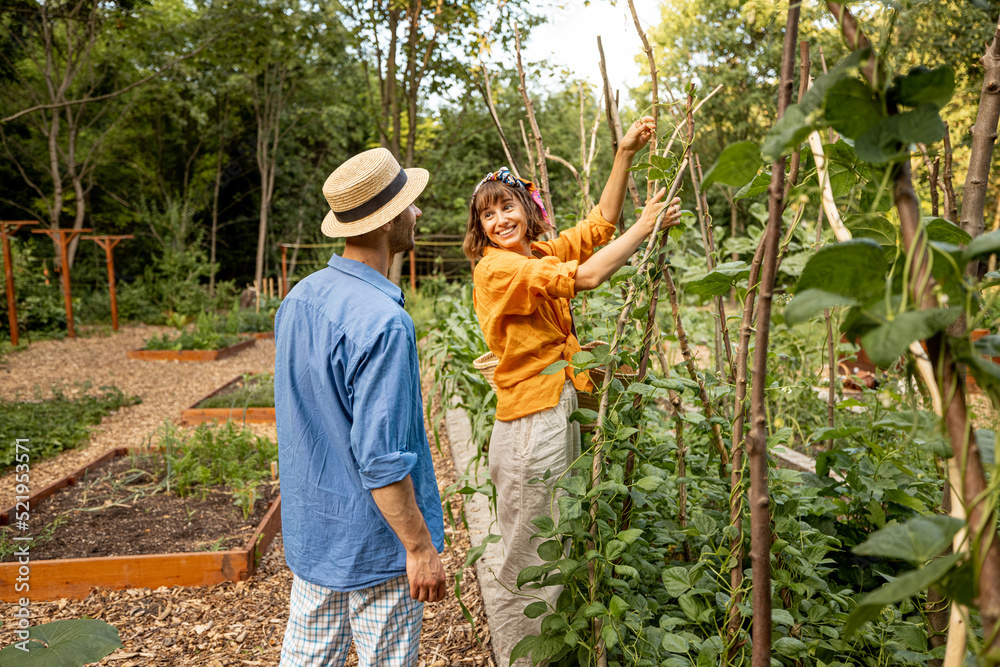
(369, 275)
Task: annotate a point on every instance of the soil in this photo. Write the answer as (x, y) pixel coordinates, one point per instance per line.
(122, 509)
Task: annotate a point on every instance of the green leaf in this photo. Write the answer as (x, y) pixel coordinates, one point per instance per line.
(917, 541)
(595, 609)
(617, 607)
(675, 581)
(786, 134)
(758, 185)
(986, 441)
(854, 269)
(649, 484)
(719, 280)
(737, 165)
(584, 416)
(782, 617)
(872, 226)
(705, 524)
(536, 609)
(613, 549)
(551, 550)
(629, 536)
(68, 643)
(812, 302)
(850, 107)
(982, 246)
(525, 647)
(476, 553)
(925, 86)
(790, 647)
(555, 367)
(582, 358)
(943, 231)
(898, 590)
(881, 142)
(675, 644)
(532, 573)
(889, 341)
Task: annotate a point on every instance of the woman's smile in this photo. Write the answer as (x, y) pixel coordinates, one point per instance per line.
(505, 226)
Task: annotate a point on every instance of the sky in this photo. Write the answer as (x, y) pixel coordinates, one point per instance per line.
(569, 40)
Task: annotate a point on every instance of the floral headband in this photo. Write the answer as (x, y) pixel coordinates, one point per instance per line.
(503, 175)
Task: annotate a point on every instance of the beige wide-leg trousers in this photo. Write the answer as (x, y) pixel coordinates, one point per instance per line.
(522, 450)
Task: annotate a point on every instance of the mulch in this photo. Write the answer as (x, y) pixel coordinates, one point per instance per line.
(227, 624)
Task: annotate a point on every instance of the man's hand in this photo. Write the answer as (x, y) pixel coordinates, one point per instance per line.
(426, 573)
(638, 135)
(423, 566)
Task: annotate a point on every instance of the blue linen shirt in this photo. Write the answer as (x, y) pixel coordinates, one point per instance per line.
(350, 419)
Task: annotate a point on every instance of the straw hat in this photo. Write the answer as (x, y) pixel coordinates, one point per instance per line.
(368, 191)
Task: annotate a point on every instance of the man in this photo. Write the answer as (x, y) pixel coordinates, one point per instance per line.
(361, 515)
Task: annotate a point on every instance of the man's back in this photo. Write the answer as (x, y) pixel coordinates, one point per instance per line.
(350, 419)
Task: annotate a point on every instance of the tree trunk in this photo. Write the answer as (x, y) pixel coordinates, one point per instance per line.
(760, 519)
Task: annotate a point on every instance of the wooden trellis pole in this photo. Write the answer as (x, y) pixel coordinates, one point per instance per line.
(284, 269)
(108, 242)
(63, 237)
(8, 270)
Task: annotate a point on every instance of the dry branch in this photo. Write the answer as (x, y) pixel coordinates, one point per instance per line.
(529, 105)
(760, 521)
(488, 96)
(653, 96)
(984, 136)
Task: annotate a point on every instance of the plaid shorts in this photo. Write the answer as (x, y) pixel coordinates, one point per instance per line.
(383, 620)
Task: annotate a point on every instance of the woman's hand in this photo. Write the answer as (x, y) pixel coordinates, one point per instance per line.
(638, 135)
(654, 206)
(613, 256)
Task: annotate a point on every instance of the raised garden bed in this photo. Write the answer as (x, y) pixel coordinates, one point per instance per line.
(263, 334)
(137, 540)
(190, 355)
(244, 398)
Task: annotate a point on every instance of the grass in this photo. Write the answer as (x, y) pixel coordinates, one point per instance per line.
(57, 424)
(257, 391)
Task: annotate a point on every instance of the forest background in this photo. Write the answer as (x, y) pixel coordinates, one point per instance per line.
(212, 125)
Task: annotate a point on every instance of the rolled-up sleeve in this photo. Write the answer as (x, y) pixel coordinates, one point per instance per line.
(380, 432)
(579, 242)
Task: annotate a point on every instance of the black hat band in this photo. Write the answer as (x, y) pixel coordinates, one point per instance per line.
(376, 202)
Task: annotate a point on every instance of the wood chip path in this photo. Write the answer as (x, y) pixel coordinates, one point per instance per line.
(217, 626)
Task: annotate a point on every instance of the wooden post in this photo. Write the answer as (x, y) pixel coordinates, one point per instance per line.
(65, 236)
(413, 270)
(284, 270)
(108, 242)
(8, 270)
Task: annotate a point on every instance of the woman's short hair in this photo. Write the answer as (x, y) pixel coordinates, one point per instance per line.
(489, 194)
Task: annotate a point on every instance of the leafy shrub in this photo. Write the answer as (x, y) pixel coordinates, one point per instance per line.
(227, 455)
(204, 336)
(58, 423)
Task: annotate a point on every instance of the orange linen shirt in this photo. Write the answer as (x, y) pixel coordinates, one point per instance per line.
(523, 308)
